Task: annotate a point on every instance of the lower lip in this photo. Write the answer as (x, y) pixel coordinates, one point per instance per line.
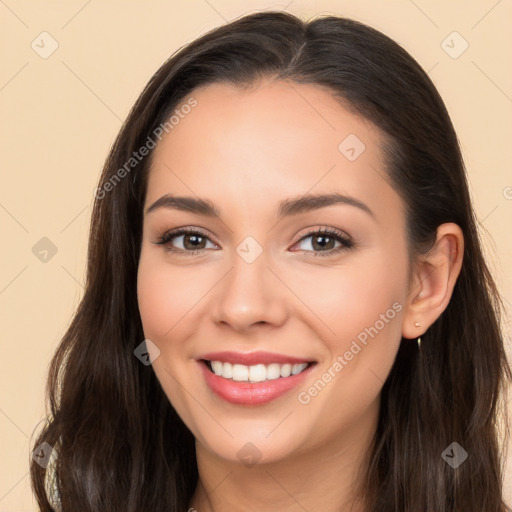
(251, 393)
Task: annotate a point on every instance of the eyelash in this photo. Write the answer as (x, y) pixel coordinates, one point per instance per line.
(346, 243)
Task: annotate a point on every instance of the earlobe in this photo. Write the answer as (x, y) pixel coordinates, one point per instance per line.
(434, 279)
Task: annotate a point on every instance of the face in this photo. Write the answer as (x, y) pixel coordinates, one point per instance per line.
(269, 285)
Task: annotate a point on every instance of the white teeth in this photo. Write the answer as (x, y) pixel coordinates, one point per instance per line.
(256, 373)
(296, 369)
(227, 370)
(217, 367)
(240, 372)
(286, 370)
(273, 371)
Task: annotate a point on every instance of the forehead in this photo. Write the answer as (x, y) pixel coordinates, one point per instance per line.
(256, 145)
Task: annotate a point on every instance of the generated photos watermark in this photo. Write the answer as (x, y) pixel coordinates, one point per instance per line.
(305, 397)
(137, 156)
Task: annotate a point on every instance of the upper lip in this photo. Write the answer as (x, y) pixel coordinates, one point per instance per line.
(252, 358)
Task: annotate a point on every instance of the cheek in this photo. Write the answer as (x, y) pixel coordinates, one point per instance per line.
(168, 295)
(155, 301)
(349, 299)
(163, 296)
(359, 307)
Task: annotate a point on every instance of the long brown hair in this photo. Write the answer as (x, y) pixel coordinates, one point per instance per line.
(122, 447)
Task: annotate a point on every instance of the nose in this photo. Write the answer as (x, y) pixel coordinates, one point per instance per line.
(251, 294)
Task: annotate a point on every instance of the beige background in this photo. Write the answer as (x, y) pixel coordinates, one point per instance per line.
(61, 113)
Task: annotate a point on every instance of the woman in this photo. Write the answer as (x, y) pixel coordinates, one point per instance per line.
(287, 306)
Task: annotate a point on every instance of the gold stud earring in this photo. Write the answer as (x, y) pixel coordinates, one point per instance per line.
(418, 340)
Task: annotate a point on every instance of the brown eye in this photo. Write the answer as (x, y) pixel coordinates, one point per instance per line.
(325, 241)
(192, 241)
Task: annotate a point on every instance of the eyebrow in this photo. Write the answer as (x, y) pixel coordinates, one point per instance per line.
(287, 207)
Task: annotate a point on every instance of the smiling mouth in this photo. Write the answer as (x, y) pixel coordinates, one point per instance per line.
(255, 373)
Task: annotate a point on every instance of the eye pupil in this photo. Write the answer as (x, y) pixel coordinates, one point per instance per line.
(196, 238)
(322, 237)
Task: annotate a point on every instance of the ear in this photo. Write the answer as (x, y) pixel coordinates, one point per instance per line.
(433, 279)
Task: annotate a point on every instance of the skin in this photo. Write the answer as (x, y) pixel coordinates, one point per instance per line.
(245, 150)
